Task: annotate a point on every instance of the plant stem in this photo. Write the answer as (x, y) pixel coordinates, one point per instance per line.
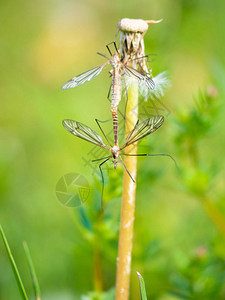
(97, 256)
(97, 270)
(128, 202)
(214, 215)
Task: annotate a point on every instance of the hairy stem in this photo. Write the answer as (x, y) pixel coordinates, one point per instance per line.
(128, 202)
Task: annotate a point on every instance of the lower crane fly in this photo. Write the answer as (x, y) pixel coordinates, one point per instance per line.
(139, 131)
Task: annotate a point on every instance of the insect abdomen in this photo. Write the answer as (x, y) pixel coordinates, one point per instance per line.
(116, 89)
(115, 128)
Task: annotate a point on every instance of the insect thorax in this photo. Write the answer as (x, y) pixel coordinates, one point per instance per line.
(115, 61)
(115, 151)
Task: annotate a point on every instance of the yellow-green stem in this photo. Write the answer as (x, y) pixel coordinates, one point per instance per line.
(128, 202)
(97, 255)
(97, 270)
(214, 215)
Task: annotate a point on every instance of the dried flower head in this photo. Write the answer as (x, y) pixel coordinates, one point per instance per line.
(131, 41)
(133, 53)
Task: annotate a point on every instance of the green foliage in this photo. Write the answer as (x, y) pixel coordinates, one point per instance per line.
(109, 295)
(198, 122)
(193, 127)
(202, 278)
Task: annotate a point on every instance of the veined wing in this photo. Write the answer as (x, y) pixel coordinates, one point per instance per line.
(84, 132)
(82, 78)
(141, 77)
(143, 129)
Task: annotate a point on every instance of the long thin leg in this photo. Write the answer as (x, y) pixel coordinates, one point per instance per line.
(104, 121)
(101, 158)
(103, 55)
(118, 30)
(103, 132)
(127, 169)
(103, 183)
(158, 154)
(123, 116)
(114, 43)
(145, 56)
(142, 70)
(109, 93)
(107, 46)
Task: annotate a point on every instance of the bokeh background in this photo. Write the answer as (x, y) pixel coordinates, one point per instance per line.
(180, 215)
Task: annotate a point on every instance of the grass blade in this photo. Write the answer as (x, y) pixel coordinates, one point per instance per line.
(142, 287)
(14, 267)
(32, 272)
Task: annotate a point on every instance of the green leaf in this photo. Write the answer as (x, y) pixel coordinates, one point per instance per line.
(14, 267)
(108, 295)
(142, 287)
(32, 272)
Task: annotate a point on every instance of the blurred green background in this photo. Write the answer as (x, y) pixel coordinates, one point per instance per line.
(180, 216)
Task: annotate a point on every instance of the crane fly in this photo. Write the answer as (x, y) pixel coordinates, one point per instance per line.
(119, 69)
(139, 131)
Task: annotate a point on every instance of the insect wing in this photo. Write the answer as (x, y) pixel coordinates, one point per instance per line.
(82, 78)
(141, 77)
(84, 132)
(143, 129)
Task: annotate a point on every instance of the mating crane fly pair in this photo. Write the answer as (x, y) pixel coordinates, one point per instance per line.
(140, 130)
(119, 69)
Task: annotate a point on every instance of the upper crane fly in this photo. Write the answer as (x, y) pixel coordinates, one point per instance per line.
(119, 69)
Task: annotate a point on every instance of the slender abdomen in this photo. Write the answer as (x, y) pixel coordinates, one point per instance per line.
(116, 91)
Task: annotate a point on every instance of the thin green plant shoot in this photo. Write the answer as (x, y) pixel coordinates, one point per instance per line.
(32, 272)
(142, 287)
(14, 266)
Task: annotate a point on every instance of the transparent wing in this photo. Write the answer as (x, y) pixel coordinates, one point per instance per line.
(143, 129)
(139, 76)
(84, 132)
(82, 78)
